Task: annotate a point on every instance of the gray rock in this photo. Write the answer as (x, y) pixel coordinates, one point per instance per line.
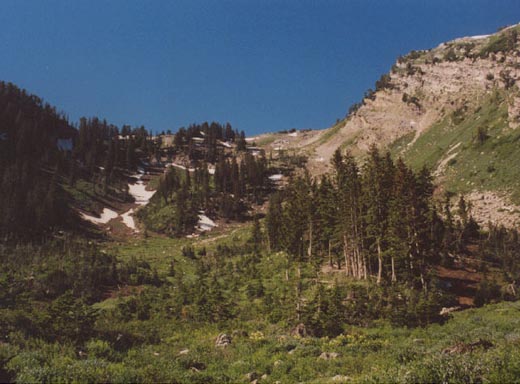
(223, 340)
(328, 355)
(446, 311)
(340, 379)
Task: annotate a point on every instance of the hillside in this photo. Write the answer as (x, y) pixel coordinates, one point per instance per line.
(454, 108)
(331, 256)
(55, 175)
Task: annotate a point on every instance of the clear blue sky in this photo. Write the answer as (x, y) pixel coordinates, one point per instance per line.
(262, 65)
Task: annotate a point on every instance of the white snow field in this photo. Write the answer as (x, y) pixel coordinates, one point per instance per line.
(105, 217)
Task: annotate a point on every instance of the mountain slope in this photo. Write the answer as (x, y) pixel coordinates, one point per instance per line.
(454, 108)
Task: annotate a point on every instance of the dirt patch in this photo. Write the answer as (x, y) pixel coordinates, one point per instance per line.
(468, 347)
(461, 281)
(123, 291)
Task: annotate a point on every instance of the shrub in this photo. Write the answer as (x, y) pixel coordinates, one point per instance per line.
(450, 55)
(384, 82)
(99, 349)
(487, 292)
(502, 43)
(482, 135)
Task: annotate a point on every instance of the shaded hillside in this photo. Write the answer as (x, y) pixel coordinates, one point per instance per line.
(49, 169)
(31, 134)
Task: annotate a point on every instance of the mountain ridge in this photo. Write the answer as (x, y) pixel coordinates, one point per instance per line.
(461, 94)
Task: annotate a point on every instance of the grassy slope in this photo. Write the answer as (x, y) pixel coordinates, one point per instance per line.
(381, 353)
(487, 166)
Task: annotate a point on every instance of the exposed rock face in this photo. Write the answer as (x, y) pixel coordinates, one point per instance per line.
(422, 91)
(494, 207)
(223, 340)
(449, 91)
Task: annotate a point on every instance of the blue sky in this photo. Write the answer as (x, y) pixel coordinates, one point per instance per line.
(262, 65)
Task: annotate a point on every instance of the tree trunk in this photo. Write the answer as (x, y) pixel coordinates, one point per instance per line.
(309, 250)
(355, 263)
(364, 267)
(394, 278)
(330, 255)
(423, 282)
(298, 292)
(379, 261)
(345, 253)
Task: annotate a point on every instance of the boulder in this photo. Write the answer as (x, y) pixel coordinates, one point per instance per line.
(223, 340)
(340, 379)
(328, 355)
(446, 311)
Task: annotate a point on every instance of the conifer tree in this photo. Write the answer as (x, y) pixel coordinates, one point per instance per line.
(274, 222)
(376, 190)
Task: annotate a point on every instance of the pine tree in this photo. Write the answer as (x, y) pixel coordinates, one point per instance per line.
(350, 214)
(377, 176)
(274, 222)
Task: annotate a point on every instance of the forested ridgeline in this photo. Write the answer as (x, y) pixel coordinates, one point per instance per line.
(236, 183)
(43, 156)
(205, 142)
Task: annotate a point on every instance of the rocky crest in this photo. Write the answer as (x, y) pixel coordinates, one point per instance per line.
(454, 108)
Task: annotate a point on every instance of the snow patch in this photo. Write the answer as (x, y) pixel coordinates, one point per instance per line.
(105, 217)
(205, 223)
(276, 177)
(225, 144)
(478, 37)
(180, 167)
(128, 220)
(139, 192)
